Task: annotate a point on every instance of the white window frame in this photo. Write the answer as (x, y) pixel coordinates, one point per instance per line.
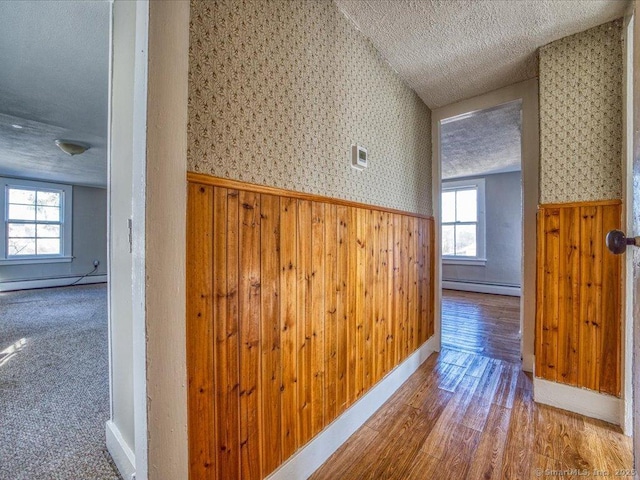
(65, 223)
(480, 258)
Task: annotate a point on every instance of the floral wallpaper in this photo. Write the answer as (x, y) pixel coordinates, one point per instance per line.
(279, 91)
(581, 116)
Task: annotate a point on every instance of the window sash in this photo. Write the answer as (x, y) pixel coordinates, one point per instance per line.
(455, 223)
(455, 239)
(62, 211)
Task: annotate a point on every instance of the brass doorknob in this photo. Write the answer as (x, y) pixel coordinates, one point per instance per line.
(617, 242)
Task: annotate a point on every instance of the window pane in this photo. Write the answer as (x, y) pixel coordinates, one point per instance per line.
(21, 212)
(51, 214)
(22, 230)
(466, 240)
(50, 199)
(17, 195)
(49, 246)
(467, 205)
(448, 206)
(22, 246)
(448, 233)
(48, 231)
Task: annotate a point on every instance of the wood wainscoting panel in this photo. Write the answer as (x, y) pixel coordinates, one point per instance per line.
(296, 307)
(578, 325)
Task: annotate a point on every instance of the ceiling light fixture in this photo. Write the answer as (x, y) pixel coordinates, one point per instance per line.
(72, 148)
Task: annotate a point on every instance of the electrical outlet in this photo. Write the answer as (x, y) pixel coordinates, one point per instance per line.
(96, 263)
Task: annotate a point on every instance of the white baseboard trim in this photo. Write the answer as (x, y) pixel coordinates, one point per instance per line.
(50, 282)
(482, 288)
(579, 400)
(528, 362)
(122, 455)
(307, 460)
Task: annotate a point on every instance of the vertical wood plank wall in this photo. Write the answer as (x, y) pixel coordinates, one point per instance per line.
(578, 326)
(296, 306)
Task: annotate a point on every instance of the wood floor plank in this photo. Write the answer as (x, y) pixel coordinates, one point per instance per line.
(346, 461)
(478, 366)
(488, 426)
(487, 460)
(435, 442)
(481, 324)
(396, 459)
(478, 410)
(517, 461)
(506, 391)
(606, 446)
(459, 450)
(454, 357)
(424, 466)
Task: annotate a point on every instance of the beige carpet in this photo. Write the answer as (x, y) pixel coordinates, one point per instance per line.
(54, 390)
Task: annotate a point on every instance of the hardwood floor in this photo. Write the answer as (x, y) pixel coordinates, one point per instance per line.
(480, 323)
(463, 415)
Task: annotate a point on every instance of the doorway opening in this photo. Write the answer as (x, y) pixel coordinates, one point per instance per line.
(54, 323)
(481, 231)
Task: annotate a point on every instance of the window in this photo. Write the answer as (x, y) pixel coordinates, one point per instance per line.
(37, 222)
(463, 222)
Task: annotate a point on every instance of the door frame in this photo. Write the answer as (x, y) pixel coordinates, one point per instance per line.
(527, 92)
(626, 413)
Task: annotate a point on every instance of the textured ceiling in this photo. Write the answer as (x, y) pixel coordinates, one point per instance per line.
(54, 82)
(482, 143)
(451, 50)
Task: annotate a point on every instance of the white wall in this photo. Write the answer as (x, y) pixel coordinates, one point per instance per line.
(503, 210)
(89, 243)
(165, 221)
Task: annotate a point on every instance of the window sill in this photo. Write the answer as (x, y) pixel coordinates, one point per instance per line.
(478, 262)
(31, 260)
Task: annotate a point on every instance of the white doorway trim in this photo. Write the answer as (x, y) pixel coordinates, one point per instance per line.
(626, 412)
(138, 238)
(527, 92)
(126, 431)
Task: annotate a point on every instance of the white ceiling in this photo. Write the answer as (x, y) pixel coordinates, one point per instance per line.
(449, 50)
(482, 143)
(54, 82)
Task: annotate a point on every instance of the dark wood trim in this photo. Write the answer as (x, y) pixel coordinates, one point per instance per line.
(205, 179)
(593, 203)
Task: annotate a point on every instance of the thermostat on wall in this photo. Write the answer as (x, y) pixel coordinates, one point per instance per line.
(359, 158)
